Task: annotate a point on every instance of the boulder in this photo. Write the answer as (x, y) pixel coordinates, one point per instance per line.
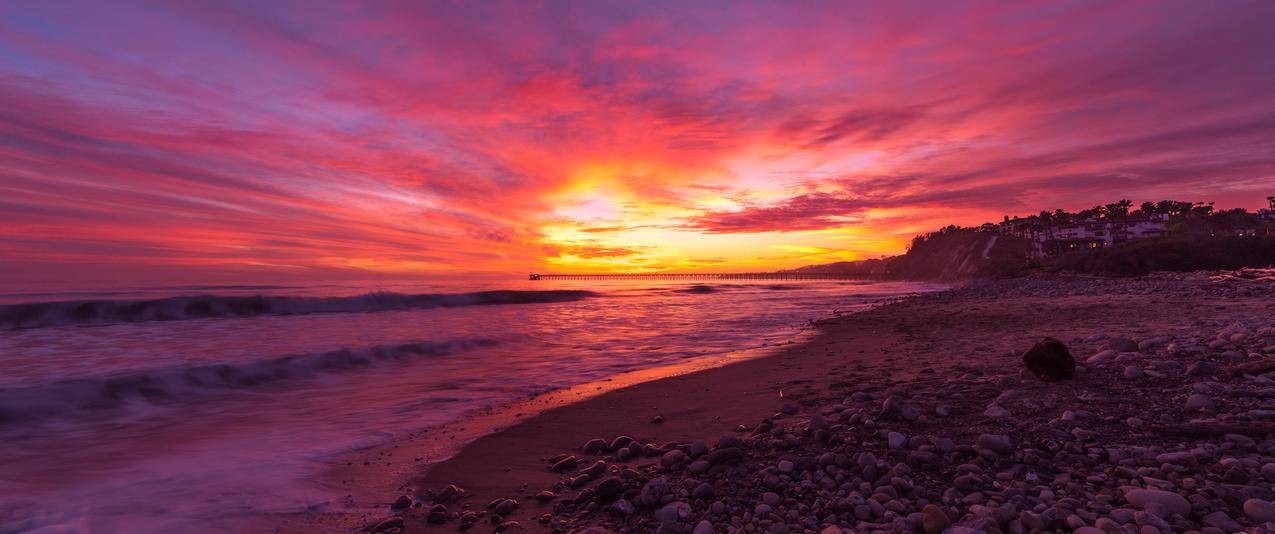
(1050, 360)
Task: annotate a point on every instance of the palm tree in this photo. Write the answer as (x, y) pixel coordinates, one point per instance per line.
(1271, 199)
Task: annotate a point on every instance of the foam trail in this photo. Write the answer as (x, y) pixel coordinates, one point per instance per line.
(188, 382)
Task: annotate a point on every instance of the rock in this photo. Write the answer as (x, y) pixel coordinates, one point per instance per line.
(1102, 357)
(995, 411)
(786, 466)
(726, 456)
(933, 519)
(1201, 368)
(653, 491)
(831, 529)
(453, 492)
(1132, 372)
(657, 419)
(1198, 402)
(387, 525)
(505, 507)
(703, 527)
(1050, 360)
(997, 443)
(1260, 510)
(437, 515)
(698, 448)
(673, 512)
(595, 470)
(672, 458)
(619, 442)
(621, 508)
(1122, 344)
(704, 491)
(545, 496)
(404, 502)
(608, 490)
(896, 440)
(594, 446)
(565, 464)
(1172, 502)
(1268, 471)
(1220, 519)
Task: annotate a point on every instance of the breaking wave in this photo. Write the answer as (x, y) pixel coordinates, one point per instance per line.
(697, 289)
(42, 314)
(189, 382)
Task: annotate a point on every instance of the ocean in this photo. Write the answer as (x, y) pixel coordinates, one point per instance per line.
(146, 409)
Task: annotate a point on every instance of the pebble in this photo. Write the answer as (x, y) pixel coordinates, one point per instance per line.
(1122, 344)
(933, 519)
(896, 440)
(673, 512)
(996, 411)
(1172, 502)
(1198, 402)
(703, 527)
(1260, 510)
(997, 443)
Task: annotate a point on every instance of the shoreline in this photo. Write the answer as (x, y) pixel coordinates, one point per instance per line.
(850, 365)
(371, 479)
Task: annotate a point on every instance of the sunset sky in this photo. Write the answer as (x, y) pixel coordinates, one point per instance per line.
(268, 140)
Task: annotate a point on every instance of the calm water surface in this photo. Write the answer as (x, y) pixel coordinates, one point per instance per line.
(119, 416)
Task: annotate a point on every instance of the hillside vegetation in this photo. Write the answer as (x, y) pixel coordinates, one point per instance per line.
(1181, 252)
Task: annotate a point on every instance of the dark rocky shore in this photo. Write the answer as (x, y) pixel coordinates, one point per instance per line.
(1168, 425)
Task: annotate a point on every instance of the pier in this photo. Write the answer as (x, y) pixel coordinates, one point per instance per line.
(704, 276)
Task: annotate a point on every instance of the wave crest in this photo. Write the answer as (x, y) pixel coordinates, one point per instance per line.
(43, 314)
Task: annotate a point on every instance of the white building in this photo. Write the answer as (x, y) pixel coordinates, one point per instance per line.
(1088, 234)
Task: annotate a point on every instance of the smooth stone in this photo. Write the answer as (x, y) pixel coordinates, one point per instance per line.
(997, 443)
(933, 519)
(996, 412)
(1122, 344)
(1197, 402)
(1174, 503)
(673, 512)
(1102, 357)
(704, 527)
(1260, 510)
(896, 440)
(672, 458)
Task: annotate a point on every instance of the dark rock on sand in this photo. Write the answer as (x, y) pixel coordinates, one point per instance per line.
(404, 502)
(449, 494)
(1050, 360)
(387, 525)
(437, 515)
(565, 464)
(608, 490)
(505, 507)
(594, 446)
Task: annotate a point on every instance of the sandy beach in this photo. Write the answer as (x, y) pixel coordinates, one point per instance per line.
(915, 416)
